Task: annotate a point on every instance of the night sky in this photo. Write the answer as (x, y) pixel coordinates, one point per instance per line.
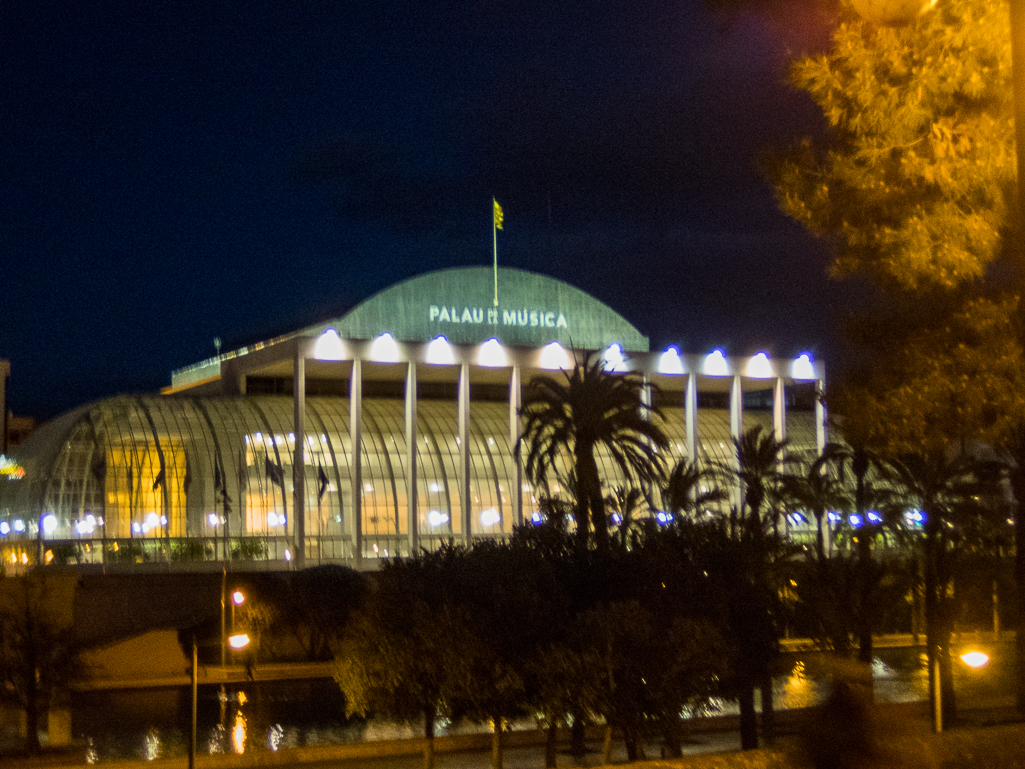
(173, 171)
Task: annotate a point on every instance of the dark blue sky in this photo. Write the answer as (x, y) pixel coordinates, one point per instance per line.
(174, 171)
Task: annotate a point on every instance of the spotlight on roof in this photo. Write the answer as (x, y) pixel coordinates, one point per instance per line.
(802, 367)
(759, 367)
(329, 346)
(670, 362)
(554, 356)
(439, 352)
(385, 349)
(715, 364)
(492, 354)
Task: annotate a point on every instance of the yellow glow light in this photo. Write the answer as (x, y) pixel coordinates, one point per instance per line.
(238, 641)
(238, 598)
(975, 659)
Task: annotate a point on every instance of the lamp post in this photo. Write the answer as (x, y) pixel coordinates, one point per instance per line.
(238, 641)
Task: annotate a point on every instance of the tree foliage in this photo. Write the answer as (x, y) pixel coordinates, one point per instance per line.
(590, 409)
(916, 181)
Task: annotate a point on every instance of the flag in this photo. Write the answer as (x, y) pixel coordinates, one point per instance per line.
(159, 481)
(274, 472)
(499, 216)
(322, 477)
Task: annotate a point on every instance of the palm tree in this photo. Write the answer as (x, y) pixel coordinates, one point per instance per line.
(759, 463)
(590, 408)
(759, 469)
(689, 489)
(946, 490)
(818, 490)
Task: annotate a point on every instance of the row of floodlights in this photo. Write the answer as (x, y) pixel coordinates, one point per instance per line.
(384, 349)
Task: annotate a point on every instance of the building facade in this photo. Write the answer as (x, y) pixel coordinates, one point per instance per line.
(407, 414)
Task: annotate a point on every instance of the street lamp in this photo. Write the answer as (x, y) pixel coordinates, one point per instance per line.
(238, 641)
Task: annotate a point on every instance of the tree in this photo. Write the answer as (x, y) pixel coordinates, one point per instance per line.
(591, 409)
(818, 490)
(945, 490)
(914, 192)
(914, 187)
(689, 489)
(39, 657)
(409, 652)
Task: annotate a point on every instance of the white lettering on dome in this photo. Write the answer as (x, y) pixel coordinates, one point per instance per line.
(478, 316)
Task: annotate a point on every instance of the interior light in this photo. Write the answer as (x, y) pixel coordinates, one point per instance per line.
(385, 349)
(874, 517)
(715, 364)
(439, 352)
(288, 555)
(5, 528)
(489, 517)
(434, 487)
(554, 356)
(855, 520)
(19, 525)
(833, 517)
(329, 346)
(437, 518)
(49, 523)
(613, 358)
(760, 367)
(536, 518)
(670, 362)
(663, 517)
(492, 354)
(212, 518)
(802, 367)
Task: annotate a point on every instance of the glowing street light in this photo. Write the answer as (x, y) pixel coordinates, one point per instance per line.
(975, 659)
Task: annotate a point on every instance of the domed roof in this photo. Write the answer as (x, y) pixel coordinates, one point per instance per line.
(459, 304)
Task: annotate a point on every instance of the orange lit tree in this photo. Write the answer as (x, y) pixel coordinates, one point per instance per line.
(913, 190)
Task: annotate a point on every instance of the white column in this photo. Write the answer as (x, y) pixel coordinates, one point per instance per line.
(356, 460)
(690, 409)
(736, 428)
(779, 410)
(516, 477)
(465, 507)
(820, 415)
(299, 455)
(411, 479)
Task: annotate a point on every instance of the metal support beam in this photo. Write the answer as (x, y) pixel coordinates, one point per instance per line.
(411, 464)
(516, 477)
(465, 507)
(356, 459)
(299, 455)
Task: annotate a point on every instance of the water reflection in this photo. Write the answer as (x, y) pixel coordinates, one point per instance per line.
(272, 716)
(238, 733)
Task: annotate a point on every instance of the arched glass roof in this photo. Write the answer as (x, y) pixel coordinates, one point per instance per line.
(150, 478)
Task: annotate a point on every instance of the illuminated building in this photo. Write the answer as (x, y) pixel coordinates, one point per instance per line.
(425, 378)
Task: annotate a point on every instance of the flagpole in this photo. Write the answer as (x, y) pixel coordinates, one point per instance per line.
(494, 237)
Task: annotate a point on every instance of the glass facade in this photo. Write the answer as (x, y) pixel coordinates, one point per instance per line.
(136, 480)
